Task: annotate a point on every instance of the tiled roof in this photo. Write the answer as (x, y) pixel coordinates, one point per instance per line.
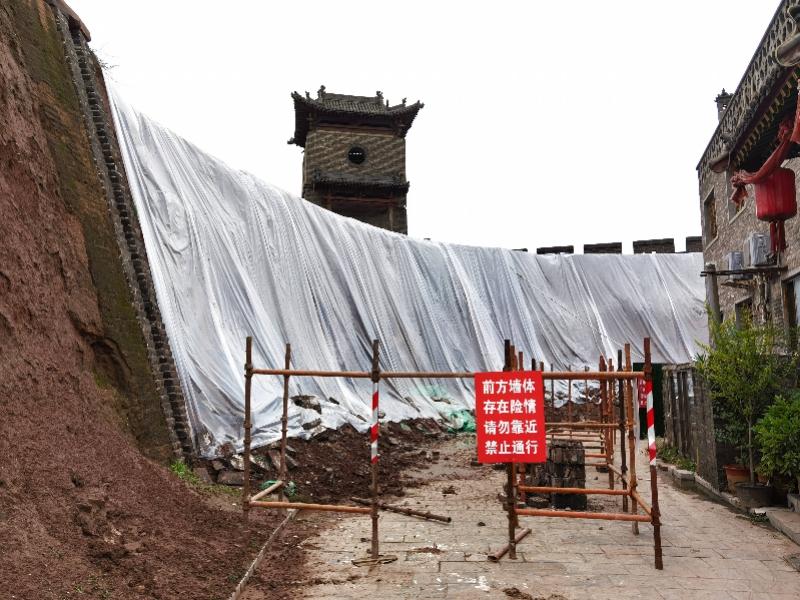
(341, 108)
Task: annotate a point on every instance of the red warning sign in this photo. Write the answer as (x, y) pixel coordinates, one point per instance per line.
(644, 388)
(509, 417)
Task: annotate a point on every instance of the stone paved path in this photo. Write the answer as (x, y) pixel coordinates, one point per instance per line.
(709, 551)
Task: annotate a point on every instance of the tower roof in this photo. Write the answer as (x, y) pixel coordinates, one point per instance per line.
(344, 109)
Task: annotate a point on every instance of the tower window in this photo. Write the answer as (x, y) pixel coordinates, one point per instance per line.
(357, 155)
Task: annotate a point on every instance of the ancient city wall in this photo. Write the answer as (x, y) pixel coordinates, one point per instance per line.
(130, 354)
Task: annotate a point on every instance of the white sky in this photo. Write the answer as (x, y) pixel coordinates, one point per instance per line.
(545, 123)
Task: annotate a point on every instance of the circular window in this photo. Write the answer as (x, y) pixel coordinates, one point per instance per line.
(357, 155)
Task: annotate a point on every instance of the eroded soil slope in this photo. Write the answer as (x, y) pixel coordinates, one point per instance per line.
(82, 512)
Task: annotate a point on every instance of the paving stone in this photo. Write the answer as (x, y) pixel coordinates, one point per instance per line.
(709, 551)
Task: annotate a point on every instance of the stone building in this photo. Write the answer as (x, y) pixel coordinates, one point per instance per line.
(745, 270)
(355, 155)
(734, 240)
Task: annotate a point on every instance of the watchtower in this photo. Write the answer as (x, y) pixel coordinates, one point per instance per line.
(355, 155)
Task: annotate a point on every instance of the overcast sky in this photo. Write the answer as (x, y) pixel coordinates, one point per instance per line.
(544, 123)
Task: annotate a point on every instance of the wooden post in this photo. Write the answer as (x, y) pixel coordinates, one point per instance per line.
(629, 401)
(248, 379)
(285, 417)
(655, 511)
(511, 501)
(374, 434)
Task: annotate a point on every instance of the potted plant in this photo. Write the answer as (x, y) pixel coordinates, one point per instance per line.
(745, 365)
(778, 437)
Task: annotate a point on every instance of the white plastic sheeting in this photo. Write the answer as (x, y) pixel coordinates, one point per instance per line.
(232, 256)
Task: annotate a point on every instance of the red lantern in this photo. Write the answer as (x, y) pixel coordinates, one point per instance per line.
(776, 201)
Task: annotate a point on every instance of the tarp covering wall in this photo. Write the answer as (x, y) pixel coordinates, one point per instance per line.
(232, 256)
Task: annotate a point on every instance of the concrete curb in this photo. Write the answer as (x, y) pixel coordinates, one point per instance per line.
(786, 521)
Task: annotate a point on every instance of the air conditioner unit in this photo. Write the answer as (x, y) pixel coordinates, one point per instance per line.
(756, 250)
(736, 263)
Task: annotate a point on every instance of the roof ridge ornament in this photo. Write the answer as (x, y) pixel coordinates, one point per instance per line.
(788, 53)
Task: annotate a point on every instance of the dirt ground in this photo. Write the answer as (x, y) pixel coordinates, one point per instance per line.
(332, 469)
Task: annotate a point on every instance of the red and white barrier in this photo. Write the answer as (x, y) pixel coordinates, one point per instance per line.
(651, 422)
(374, 430)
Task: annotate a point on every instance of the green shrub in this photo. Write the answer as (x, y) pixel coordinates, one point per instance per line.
(778, 437)
(670, 454)
(745, 366)
(184, 472)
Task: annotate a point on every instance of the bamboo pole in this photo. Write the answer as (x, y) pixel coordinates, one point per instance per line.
(606, 445)
(592, 375)
(403, 510)
(502, 551)
(514, 366)
(622, 418)
(548, 375)
(426, 375)
(544, 489)
(601, 404)
(308, 373)
(656, 517)
(364, 510)
(376, 377)
(510, 483)
(583, 425)
(575, 514)
(285, 415)
(519, 468)
(632, 483)
(267, 491)
(642, 503)
(569, 400)
(655, 514)
(248, 379)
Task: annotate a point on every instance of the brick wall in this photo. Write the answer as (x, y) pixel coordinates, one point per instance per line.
(608, 248)
(327, 150)
(689, 421)
(733, 228)
(154, 405)
(661, 246)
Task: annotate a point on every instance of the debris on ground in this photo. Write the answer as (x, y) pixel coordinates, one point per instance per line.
(513, 592)
(426, 550)
(461, 421)
(307, 402)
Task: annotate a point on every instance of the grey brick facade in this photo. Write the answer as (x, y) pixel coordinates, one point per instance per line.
(744, 138)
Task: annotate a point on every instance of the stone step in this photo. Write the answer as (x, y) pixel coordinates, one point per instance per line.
(786, 521)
